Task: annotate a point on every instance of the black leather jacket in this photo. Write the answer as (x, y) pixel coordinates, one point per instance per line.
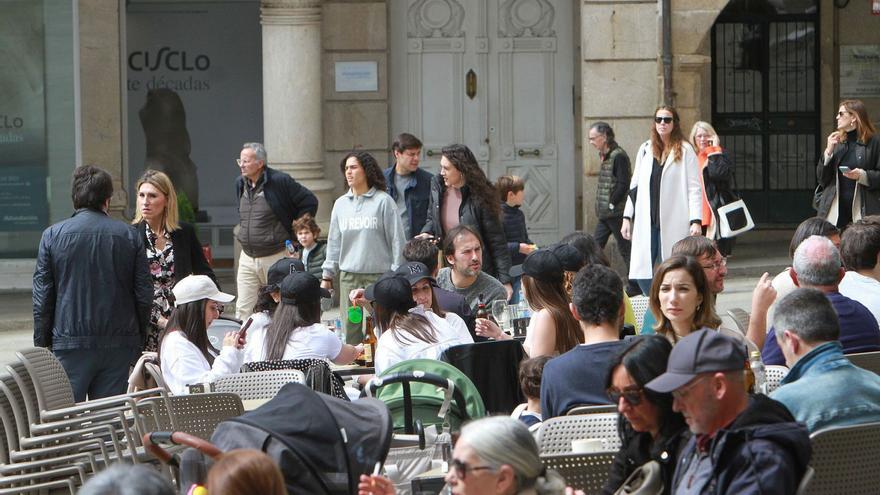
(92, 287)
(496, 258)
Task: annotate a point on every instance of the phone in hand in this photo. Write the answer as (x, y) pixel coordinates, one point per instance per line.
(242, 334)
(843, 169)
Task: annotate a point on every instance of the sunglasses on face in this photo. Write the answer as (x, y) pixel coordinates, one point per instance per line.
(841, 114)
(633, 396)
(461, 468)
(664, 120)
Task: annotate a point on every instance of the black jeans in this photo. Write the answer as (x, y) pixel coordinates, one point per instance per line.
(97, 373)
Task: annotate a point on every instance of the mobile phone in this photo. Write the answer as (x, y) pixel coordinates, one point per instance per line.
(843, 169)
(243, 332)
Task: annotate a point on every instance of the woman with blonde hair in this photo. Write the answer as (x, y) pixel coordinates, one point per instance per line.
(665, 199)
(172, 247)
(849, 170)
(717, 178)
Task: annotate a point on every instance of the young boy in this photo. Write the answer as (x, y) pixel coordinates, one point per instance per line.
(530, 373)
(307, 232)
(511, 190)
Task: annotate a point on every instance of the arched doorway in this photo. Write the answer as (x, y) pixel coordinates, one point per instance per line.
(765, 103)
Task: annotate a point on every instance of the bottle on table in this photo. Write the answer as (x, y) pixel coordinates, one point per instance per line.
(759, 372)
(366, 359)
(481, 309)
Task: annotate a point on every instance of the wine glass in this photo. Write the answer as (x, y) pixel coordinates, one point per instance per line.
(499, 311)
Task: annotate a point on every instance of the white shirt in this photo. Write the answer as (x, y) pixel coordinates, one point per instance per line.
(183, 363)
(311, 342)
(256, 335)
(390, 352)
(865, 290)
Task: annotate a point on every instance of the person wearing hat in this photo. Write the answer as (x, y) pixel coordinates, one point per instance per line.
(408, 331)
(423, 286)
(185, 354)
(741, 444)
(552, 328)
(268, 298)
(296, 331)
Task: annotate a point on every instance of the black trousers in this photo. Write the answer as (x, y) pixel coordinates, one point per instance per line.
(97, 373)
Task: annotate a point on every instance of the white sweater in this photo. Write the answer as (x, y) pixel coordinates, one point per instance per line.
(390, 352)
(183, 364)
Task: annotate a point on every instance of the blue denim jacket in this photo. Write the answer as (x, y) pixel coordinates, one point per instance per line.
(824, 389)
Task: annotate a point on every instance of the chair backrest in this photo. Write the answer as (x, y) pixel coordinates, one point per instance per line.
(574, 411)
(740, 318)
(25, 387)
(640, 307)
(155, 373)
(197, 414)
(10, 394)
(587, 472)
(774, 374)
(493, 367)
(258, 385)
(556, 434)
(866, 360)
(51, 384)
(318, 375)
(845, 460)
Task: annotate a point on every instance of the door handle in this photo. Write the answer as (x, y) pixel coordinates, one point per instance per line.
(433, 152)
(523, 152)
(470, 84)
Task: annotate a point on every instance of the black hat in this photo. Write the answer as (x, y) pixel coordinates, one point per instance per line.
(302, 287)
(282, 268)
(703, 351)
(391, 291)
(548, 264)
(571, 259)
(414, 271)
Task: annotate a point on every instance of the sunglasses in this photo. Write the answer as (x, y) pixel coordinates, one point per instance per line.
(841, 114)
(461, 468)
(664, 120)
(633, 396)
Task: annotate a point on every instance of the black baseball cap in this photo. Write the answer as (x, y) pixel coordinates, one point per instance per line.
(704, 351)
(282, 268)
(414, 271)
(299, 287)
(549, 264)
(392, 291)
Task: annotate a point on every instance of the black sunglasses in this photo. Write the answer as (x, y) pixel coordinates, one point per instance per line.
(665, 120)
(461, 468)
(633, 396)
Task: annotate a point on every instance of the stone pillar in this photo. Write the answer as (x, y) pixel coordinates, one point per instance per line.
(292, 124)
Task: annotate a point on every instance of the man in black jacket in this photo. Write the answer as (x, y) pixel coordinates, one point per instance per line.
(268, 203)
(92, 291)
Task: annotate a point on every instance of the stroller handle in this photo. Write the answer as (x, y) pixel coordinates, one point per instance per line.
(418, 376)
(152, 441)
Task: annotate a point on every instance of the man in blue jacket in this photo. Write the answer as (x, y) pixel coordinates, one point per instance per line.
(823, 388)
(741, 444)
(92, 291)
(268, 203)
(408, 185)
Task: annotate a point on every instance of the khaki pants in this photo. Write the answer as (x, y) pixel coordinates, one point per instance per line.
(354, 332)
(252, 274)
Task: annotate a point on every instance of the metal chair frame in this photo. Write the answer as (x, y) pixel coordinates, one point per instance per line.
(574, 411)
(556, 434)
(197, 414)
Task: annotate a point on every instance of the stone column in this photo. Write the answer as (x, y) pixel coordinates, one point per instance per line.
(292, 124)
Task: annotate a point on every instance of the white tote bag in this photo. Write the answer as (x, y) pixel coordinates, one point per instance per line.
(734, 219)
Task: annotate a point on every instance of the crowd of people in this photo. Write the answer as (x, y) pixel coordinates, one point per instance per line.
(679, 387)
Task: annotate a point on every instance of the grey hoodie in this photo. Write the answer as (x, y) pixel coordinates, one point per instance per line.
(366, 235)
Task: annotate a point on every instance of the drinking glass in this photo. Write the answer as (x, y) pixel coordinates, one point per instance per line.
(499, 311)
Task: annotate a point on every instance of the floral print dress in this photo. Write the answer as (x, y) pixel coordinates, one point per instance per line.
(162, 271)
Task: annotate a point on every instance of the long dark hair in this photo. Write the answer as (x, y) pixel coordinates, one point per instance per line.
(552, 297)
(589, 249)
(288, 318)
(189, 319)
(481, 190)
(405, 327)
(265, 302)
(645, 359)
(375, 178)
(676, 137)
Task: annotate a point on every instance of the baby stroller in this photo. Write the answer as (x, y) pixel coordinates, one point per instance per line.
(428, 399)
(321, 444)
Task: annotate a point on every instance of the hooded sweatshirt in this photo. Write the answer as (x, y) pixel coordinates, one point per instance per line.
(366, 235)
(763, 451)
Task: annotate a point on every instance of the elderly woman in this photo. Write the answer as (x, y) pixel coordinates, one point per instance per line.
(717, 177)
(173, 250)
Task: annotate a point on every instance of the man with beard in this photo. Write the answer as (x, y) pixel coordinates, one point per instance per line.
(463, 250)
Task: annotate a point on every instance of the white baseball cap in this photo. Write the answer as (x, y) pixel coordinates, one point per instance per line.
(196, 288)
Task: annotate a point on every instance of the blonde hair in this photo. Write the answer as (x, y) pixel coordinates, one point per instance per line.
(716, 141)
(170, 217)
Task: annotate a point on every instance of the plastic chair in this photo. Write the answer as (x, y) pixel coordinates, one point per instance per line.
(258, 385)
(845, 460)
(741, 318)
(587, 472)
(774, 375)
(866, 360)
(574, 411)
(197, 414)
(556, 434)
(640, 306)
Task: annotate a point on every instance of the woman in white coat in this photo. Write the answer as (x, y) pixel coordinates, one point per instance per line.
(665, 197)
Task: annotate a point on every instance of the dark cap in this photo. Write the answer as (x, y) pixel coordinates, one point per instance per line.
(703, 351)
(282, 268)
(414, 271)
(392, 291)
(549, 264)
(301, 287)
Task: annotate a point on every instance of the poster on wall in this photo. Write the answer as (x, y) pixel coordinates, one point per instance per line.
(23, 201)
(194, 96)
(860, 71)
